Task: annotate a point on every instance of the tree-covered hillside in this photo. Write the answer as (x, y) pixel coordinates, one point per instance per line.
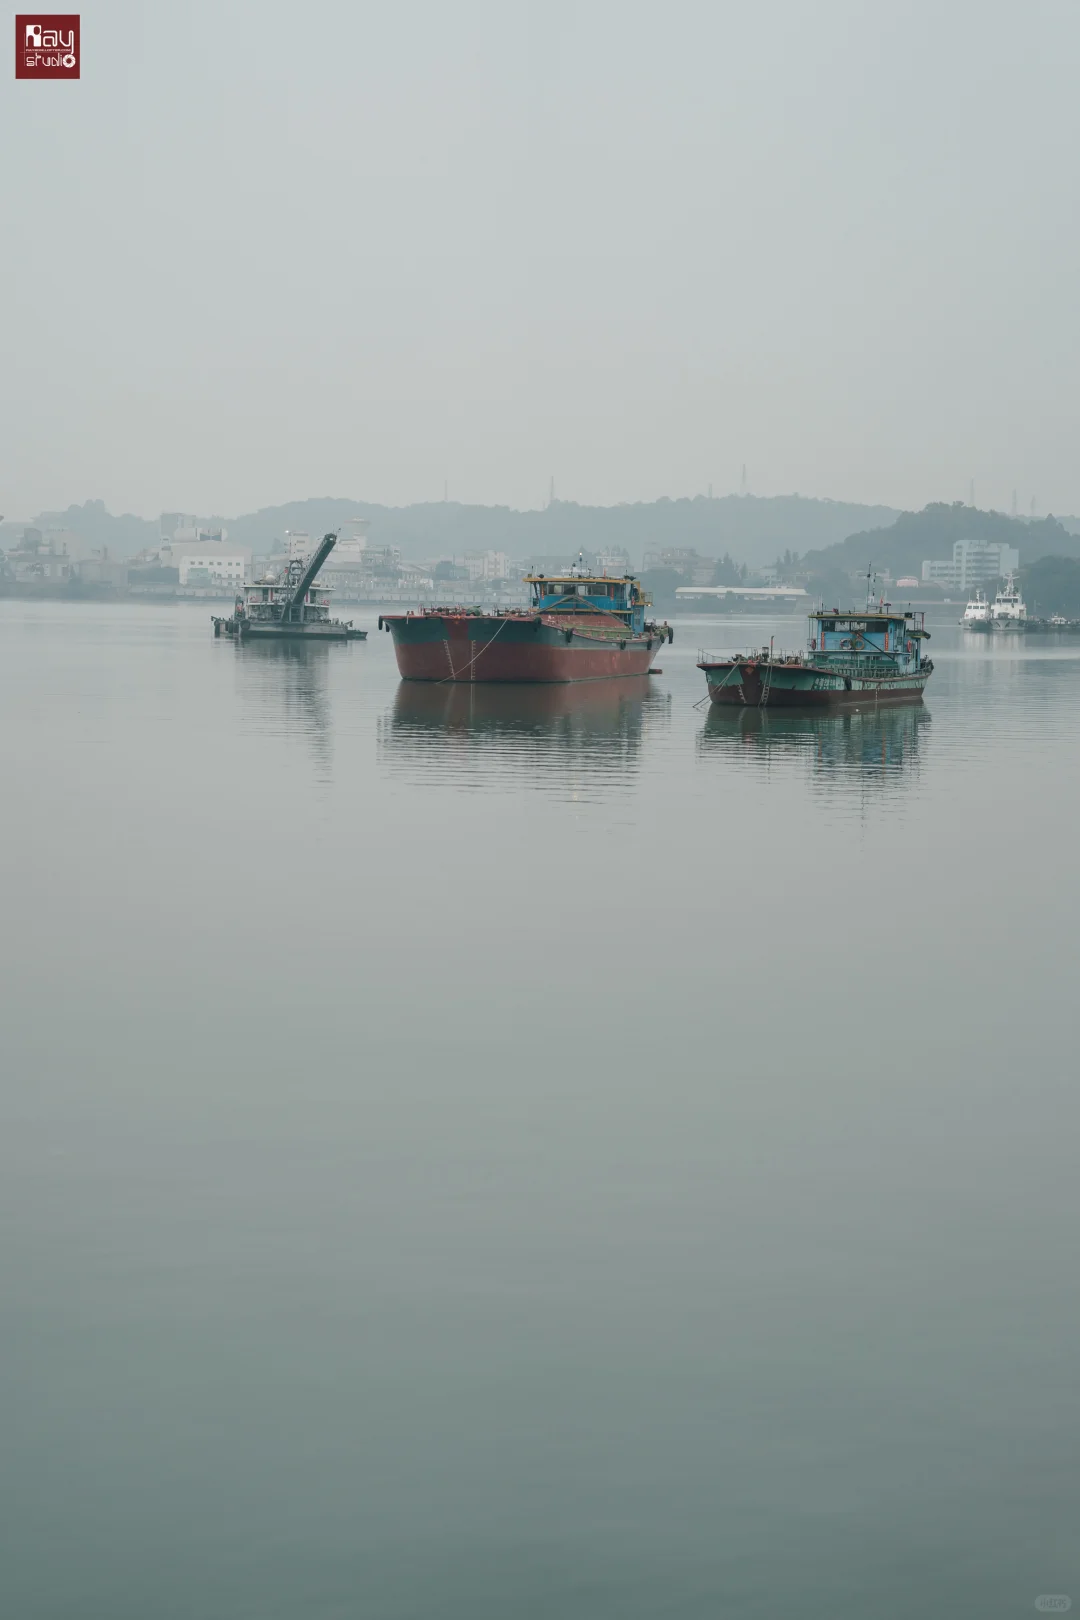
(124, 535)
(833, 538)
(1052, 585)
(752, 529)
(932, 533)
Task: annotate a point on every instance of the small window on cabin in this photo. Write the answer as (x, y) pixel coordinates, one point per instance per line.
(828, 624)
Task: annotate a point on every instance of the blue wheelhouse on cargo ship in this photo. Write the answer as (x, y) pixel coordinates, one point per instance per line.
(578, 589)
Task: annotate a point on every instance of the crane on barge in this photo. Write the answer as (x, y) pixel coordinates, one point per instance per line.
(291, 607)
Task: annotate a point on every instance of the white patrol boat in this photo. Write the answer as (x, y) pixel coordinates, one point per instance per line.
(1009, 610)
(977, 613)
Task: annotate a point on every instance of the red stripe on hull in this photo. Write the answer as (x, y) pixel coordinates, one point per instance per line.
(459, 659)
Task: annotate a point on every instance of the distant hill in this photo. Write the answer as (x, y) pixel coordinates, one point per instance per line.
(902, 547)
(124, 535)
(753, 529)
(833, 538)
(1052, 585)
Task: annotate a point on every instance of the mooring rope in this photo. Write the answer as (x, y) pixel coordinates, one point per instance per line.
(709, 694)
(457, 674)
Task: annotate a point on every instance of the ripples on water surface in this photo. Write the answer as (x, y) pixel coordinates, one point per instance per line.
(569, 740)
(559, 1153)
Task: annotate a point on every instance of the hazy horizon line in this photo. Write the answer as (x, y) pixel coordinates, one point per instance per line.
(558, 500)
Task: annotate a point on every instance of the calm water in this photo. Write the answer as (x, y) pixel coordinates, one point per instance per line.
(493, 1155)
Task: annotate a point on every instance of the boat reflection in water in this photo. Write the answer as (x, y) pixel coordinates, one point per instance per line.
(571, 737)
(284, 688)
(849, 750)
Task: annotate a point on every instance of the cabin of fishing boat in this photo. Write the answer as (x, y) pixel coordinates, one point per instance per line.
(886, 632)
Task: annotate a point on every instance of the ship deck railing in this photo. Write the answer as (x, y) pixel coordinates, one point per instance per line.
(835, 662)
(754, 656)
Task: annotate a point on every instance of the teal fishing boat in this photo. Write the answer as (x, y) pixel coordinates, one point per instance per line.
(854, 658)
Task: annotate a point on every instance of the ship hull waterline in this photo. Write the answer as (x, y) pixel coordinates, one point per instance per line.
(749, 686)
(509, 650)
(250, 630)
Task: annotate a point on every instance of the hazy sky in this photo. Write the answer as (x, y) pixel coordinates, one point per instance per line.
(264, 251)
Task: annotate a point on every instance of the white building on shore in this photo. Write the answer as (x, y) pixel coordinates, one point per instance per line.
(485, 565)
(973, 563)
(201, 554)
(209, 564)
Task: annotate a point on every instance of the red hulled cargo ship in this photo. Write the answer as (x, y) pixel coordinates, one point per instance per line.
(579, 626)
